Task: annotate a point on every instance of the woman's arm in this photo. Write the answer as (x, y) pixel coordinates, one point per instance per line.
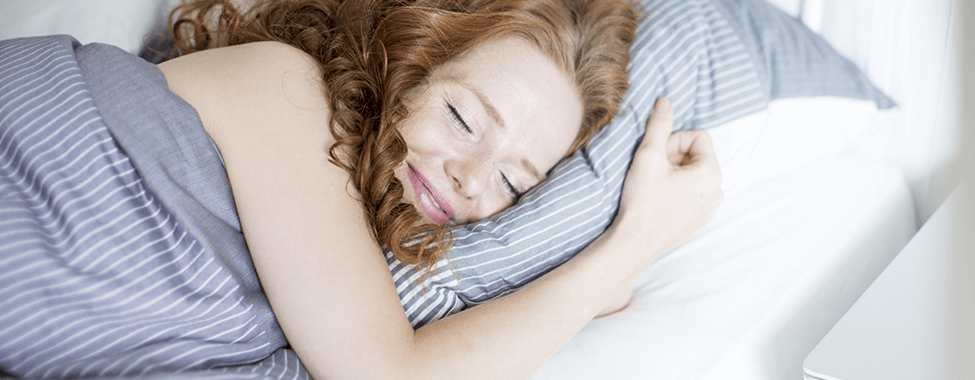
(618, 304)
(325, 275)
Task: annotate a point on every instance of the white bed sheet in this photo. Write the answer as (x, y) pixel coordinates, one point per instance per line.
(786, 255)
(808, 221)
(756, 291)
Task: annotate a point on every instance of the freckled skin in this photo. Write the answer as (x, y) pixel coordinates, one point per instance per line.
(489, 122)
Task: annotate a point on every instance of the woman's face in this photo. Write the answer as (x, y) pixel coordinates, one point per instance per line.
(486, 128)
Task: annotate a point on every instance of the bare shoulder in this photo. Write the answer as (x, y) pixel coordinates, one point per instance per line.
(249, 85)
(321, 268)
(257, 59)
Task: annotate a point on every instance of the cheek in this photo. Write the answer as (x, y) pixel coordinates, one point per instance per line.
(487, 206)
(409, 196)
(401, 174)
(425, 136)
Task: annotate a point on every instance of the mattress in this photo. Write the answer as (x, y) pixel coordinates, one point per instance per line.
(784, 258)
(791, 248)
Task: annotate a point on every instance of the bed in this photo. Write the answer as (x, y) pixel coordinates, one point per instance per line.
(822, 189)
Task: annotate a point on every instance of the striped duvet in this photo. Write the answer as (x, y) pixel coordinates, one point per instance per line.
(114, 262)
(120, 248)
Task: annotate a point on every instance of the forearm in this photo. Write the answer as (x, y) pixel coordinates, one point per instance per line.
(670, 192)
(618, 304)
(331, 291)
(512, 336)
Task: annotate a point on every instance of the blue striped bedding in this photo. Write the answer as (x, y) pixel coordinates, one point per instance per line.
(684, 50)
(716, 60)
(120, 247)
(120, 250)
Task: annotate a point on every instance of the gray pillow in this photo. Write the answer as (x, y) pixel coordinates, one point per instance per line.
(792, 60)
(716, 60)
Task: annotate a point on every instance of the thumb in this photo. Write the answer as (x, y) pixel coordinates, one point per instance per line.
(659, 126)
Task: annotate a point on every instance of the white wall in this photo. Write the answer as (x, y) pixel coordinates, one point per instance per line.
(122, 23)
(910, 51)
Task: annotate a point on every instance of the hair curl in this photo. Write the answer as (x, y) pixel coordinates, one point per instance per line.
(374, 52)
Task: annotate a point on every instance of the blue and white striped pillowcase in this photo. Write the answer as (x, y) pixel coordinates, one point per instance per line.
(686, 51)
(716, 60)
(792, 60)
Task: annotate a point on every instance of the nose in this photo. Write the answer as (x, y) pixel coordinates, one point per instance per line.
(470, 175)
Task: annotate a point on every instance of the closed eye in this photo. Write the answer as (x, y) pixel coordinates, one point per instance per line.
(511, 188)
(457, 118)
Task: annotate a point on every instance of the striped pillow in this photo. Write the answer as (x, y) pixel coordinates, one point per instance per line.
(716, 60)
(685, 50)
(792, 60)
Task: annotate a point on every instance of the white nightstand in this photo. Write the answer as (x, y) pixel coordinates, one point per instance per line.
(899, 328)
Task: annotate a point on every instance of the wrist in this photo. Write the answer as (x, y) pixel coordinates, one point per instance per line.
(636, 242)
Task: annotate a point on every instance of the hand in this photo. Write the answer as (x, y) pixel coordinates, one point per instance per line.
(673, 186)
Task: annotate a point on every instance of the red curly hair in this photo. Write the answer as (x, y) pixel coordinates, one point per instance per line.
(374, 52)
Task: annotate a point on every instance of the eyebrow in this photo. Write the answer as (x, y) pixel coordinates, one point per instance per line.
(532, 169)
(496, 116)
(485, 102)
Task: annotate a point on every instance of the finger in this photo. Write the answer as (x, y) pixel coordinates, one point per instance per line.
(681, 146)
(701, 149)
(659, 125)
(677, 145)
(674, 156)
(690, 147)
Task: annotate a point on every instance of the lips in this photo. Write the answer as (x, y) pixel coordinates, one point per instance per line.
(430, 201)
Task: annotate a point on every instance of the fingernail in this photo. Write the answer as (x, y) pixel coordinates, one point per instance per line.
(662, 105)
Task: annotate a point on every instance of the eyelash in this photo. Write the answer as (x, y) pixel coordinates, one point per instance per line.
(517, 194)
(456, 116)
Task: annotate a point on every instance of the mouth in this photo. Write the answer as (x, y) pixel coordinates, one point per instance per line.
(430, 201)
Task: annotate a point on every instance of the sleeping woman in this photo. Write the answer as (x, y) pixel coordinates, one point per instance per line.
(350, 126)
